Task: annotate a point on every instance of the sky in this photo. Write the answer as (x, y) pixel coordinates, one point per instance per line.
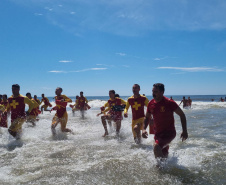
(98, 45)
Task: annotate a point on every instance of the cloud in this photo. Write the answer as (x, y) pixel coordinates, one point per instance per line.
(65, 61)
(132, 17)
(121, 54)
(38, 14)
(78, 71)
(57, 71)
(194, 69)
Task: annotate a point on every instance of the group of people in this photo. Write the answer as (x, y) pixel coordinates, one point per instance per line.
(159, 116)
(186, 102)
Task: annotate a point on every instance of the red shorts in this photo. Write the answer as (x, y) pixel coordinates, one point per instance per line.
(163, 139)
(116, 116)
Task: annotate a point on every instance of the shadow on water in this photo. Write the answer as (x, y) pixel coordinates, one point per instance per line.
(60, 136)
(14, 144)
(172, 168)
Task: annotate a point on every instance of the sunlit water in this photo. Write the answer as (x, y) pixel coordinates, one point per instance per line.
(85, 157)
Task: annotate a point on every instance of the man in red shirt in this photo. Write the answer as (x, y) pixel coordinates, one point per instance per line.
(61, 115)
(137, 103)
(162, 109)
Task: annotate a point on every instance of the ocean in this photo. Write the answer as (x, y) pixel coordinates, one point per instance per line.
(85, 157)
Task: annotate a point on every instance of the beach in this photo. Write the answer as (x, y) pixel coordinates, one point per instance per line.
(85, 157)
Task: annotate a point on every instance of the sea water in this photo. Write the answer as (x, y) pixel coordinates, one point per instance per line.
(85, 157)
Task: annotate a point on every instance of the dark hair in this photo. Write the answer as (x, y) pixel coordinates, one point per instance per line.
(60, 88)
(43, 95)
(4, 95)
(16, 86)
(28, 94)
(160, 86)
(113, 91)
(117, 96)
(137, 85)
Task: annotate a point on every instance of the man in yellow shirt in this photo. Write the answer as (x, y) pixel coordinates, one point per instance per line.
(137, 103)
(34, 112)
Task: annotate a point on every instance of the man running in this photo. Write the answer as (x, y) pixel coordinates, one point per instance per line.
(46, 104)
(61, 115)
(137, 103)
(83, 104)
(162, 109)
(75, 107)
(112, 115)
(17, 107)
(34, 112)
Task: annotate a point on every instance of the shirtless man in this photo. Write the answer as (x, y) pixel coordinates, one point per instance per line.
(184, 101)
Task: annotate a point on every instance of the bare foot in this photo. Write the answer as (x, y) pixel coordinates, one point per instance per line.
(105, 134)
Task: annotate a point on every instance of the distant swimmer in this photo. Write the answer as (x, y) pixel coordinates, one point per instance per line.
(61, 115)
(4, 115)
(184, 101)
(16, 106)
(83, 104)
(189, 102)
(32, 118)
(114, 109)
(137, 103)
(46, 104)
(75, 107)
(162, 110)
(221, 100)
(171, 97)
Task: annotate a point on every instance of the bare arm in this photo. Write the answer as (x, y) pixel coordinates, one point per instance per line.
(180, 113)
(146, 123)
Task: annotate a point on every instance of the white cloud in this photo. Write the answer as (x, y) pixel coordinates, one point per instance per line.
(57, 71)
(72, 13)
(121, 54)
(133, 17)
(65, 61)
(194, 69)
(38, 14)
(78, 71)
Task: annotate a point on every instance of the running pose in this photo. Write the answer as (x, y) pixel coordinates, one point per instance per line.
(137, 103)
(162, 109)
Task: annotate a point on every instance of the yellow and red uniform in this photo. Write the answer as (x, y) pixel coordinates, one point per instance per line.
(34, 112)
(17, 107)
(115, 115)
(3, 116)
(83, 103)
(46, 103)
(137, 105)
(76, 105)
(61, 113)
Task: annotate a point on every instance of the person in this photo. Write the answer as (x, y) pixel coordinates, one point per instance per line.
(137, 103)
(83, 104)
(221, 100)
(0, 98)
(184, 101)
(112, 115)
(46, 104)
(162, 110)
(16, 105)
(75, 107)
(4, 117)
(39, 103)
(171, 97)
(61, 115)
(32, 118)
(189, 102)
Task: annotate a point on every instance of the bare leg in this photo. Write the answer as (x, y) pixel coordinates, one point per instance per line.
(118, 126)
(12, 133)
(103, 119)
(137, 138)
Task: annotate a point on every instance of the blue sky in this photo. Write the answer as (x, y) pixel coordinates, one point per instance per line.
(95, 46)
